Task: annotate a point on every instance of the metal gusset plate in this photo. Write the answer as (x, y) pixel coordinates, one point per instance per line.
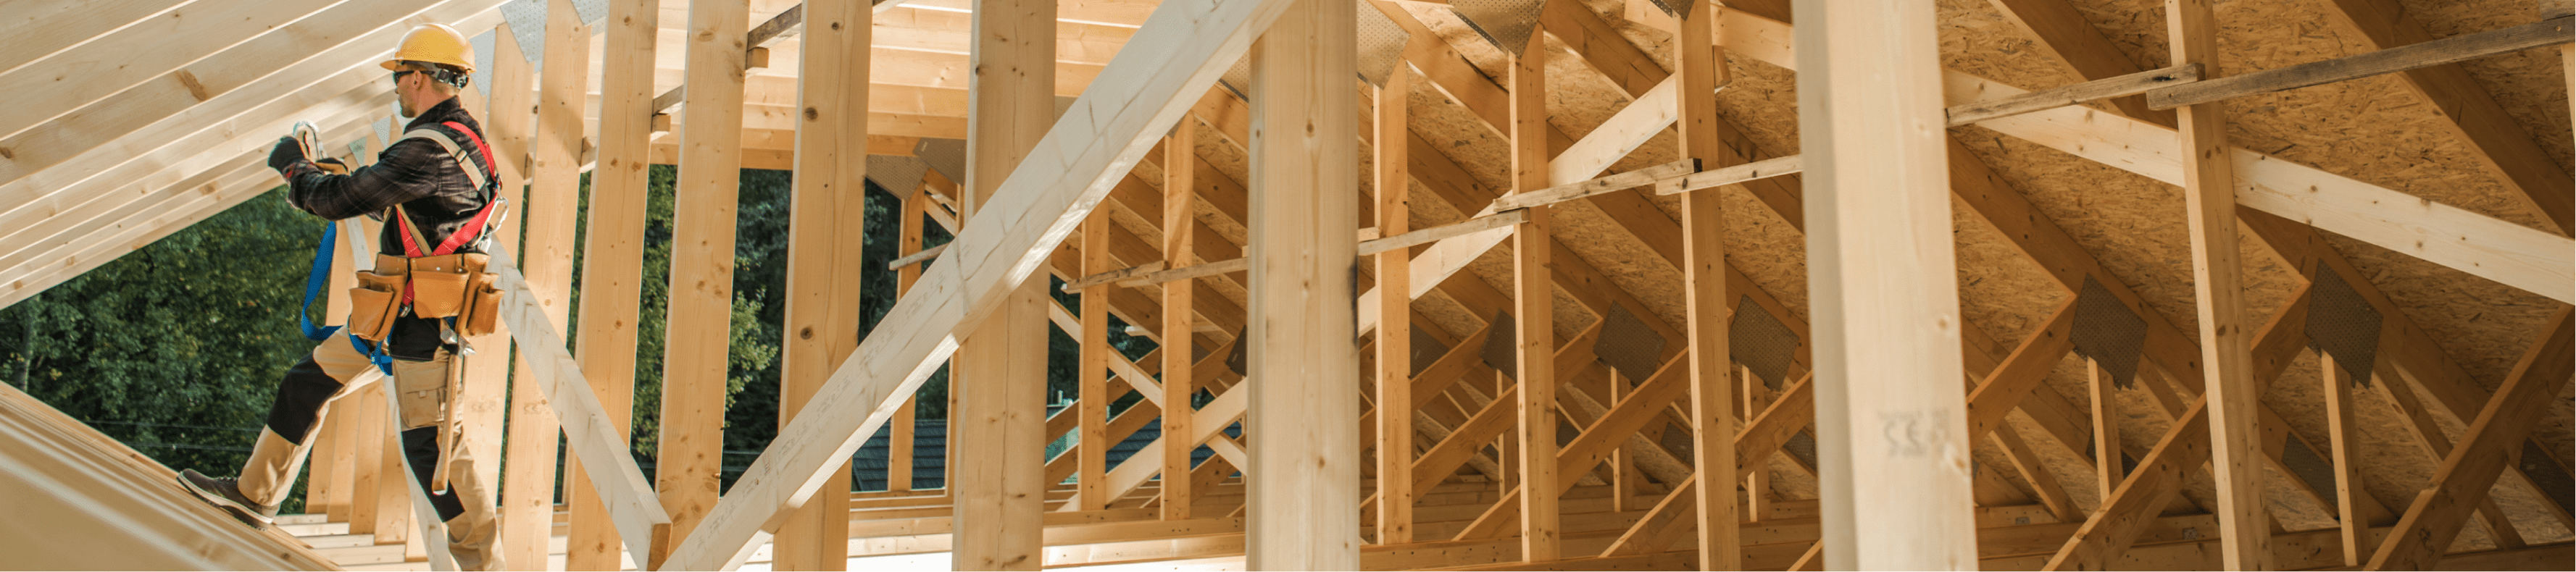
(1676, 8)
(2311, 468)
(947, 156)
(898, 175)
(2544, 472)
(2342, 324)
(2106, 332)
(384, 129)
(483, 45)
(1801, 446)
(1381, 52)
(1426, 350)
(1629, 345)
(1761, 343)
(591, 11)
(1509, 24)
(527, 19)
(1240, 359)
(1238, 79)
(1499, 346)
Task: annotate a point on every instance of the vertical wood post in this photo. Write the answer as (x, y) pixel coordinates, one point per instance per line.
(554, 196)
(2347, 470)
(1304, 369)
(1092, 403)
(826, 226)
(1703, 69)
(1884, 286)
(998, 375)
(908, 239)
(366, 453)
(393, 484)
(2108, 468)
(1180, 221)
(613, 261)
(326, 489)
(702, 245)
(1533, 301)
(508, 121)
(1395, 316)
(2226, 342)
(1757, 477)
(510, 124)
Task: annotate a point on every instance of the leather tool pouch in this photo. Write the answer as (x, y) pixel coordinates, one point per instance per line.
(438, 284)
(420, 389)
(482, 305)
(377, 299)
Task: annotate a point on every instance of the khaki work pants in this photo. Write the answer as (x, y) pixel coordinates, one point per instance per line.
(334, 371)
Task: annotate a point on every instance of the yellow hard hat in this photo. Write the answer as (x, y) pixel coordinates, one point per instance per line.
(433, 43)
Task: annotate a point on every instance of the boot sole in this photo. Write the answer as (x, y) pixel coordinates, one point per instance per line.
(239, 512)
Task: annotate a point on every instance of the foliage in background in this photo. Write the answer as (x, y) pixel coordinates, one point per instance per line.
(177, 349)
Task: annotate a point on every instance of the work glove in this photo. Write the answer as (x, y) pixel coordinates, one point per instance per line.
(286, 154)
(332, 165)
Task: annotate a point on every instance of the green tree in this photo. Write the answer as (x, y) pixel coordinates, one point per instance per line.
(175, 349)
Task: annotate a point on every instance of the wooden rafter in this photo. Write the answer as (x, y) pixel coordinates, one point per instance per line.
(2462, 482)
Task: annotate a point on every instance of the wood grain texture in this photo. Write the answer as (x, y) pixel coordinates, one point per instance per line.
(1884, 277)
(613, 255)
(825, 228)
(1707, 307)
(1303, 503)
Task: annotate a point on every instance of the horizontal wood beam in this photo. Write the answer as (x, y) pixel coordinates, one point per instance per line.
(2096, 90)
(1596, 186)
(2453, 49)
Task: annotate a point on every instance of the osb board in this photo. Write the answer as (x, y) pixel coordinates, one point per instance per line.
(2369, 130)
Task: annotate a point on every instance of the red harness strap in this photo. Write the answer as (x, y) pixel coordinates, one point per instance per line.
(472, 227)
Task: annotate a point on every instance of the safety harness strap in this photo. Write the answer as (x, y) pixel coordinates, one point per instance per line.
(315, 280)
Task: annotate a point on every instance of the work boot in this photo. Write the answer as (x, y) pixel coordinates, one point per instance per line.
(226, 493)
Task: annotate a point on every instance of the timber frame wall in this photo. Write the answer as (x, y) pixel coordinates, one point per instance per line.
(1398, 350)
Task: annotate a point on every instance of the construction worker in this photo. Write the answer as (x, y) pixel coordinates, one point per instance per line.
(423, 183)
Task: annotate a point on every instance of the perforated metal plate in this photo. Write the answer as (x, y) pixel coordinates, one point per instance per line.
(591, 11)
(358, 148)
(527, 19)
(1240, 359)
(2342, 324)
(1426, 350)
(1381, 45)
(483, 60)
(1676, 8)
(1507, 23)
(897, 174)
(1499, 345)
(1676, 440)
(2311, 468)
(2545, 473)
(1801, 446)
(2106, 332)
(1238, 79)
(1761, 343)
(1628, 345)
(384, 129)
(947, 156)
